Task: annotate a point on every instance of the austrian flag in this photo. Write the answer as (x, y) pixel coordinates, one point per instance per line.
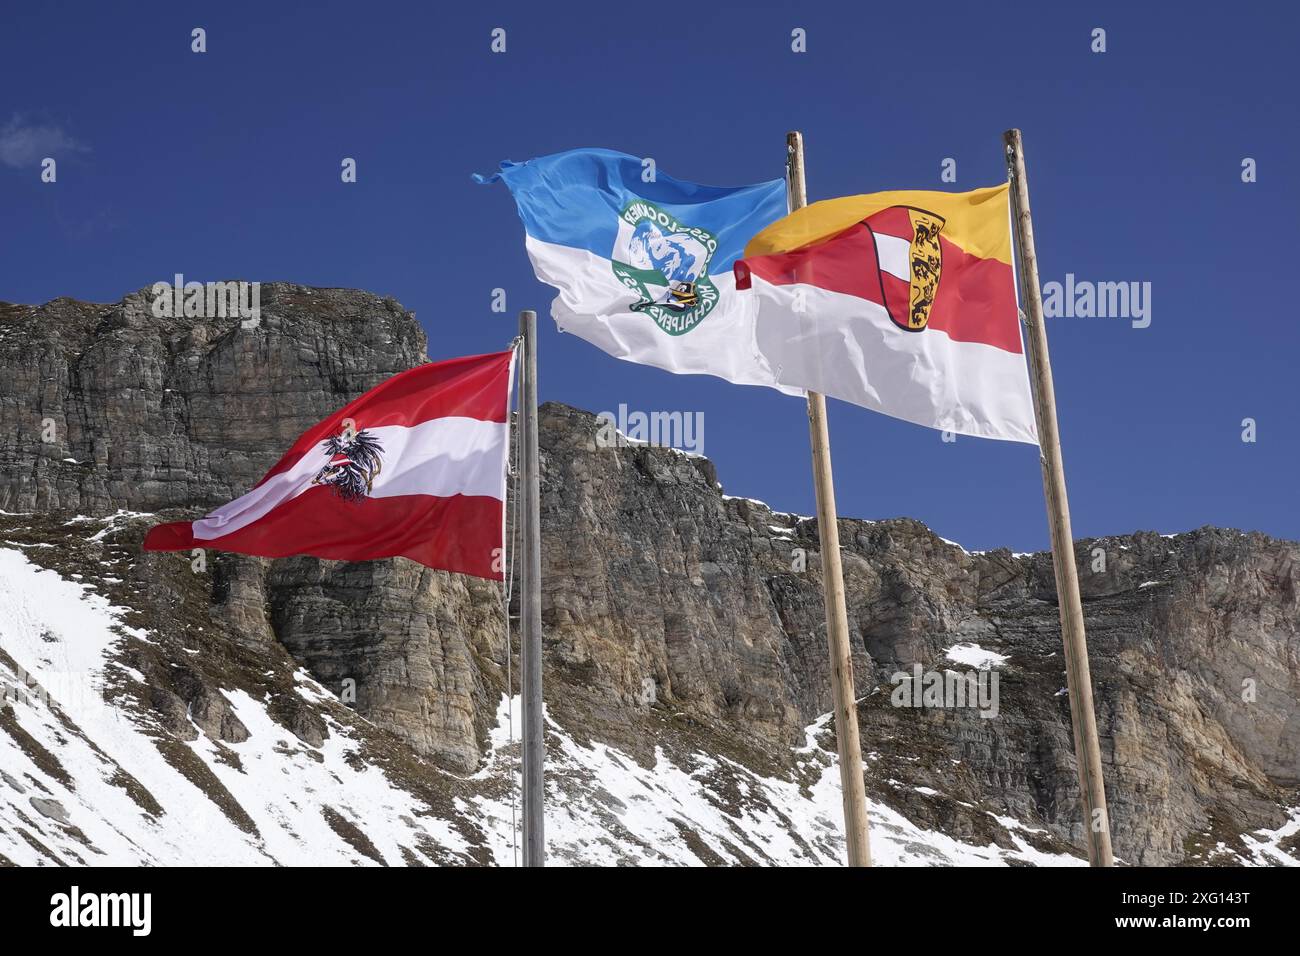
(415, 467)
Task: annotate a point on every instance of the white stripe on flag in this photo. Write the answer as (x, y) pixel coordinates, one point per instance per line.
(594, 305)
(850, 349)
(441, 457)
(894, 256)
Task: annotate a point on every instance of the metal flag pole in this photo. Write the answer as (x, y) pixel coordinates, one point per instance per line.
(1078, 681)
(530, 601)
(845, 703)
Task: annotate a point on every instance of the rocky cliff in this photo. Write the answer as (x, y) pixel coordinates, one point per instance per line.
(685, 652)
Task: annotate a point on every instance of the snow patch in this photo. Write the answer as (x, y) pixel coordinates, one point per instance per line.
(972, 655)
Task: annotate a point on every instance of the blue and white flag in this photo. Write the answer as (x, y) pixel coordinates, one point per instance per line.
(644, 269)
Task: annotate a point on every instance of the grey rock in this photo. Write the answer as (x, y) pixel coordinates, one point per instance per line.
(50, 808)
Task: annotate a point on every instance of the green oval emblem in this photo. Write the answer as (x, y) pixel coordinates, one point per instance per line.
(666, 263)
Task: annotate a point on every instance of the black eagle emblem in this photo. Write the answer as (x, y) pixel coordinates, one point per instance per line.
(356, 458)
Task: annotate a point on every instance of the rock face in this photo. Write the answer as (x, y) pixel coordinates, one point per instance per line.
(669, 607)
(152, 413)
(147, 414)
(1195, 643)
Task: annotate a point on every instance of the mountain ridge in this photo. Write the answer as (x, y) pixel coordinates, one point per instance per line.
(675, 620)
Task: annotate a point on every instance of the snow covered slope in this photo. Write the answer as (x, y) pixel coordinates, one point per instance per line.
(90, 776)
(88, 780)
(271, 768)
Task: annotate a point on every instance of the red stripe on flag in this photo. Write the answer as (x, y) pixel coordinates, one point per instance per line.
(976, 300)
(843, 263)
(460, 533)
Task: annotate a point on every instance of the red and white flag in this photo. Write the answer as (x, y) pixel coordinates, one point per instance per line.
(415, 467)
(902, 302)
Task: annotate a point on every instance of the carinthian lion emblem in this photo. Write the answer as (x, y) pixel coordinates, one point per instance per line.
(356, 458)
(908, 286)
(927, 264)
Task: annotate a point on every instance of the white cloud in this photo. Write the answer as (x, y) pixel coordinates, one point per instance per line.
(26, 144)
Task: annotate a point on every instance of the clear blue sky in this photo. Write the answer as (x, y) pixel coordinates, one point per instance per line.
(226, 165)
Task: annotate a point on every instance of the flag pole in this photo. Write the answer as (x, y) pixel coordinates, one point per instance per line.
(530, 601)
(852, 784)
(1078, 681)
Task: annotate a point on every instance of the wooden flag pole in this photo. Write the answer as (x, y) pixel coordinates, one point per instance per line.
(530, 601)
(1078, 681)
(845, 702)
